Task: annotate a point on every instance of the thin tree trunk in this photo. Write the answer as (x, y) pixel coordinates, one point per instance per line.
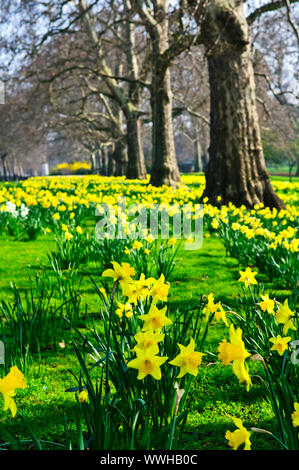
(121, 159)
(236, 170)
(111, 163)
(197, 152)
(92, 157)
(104, 161)
(4, 168)
(136, 165)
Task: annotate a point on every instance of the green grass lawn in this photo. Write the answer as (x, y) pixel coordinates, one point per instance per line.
(216, 392)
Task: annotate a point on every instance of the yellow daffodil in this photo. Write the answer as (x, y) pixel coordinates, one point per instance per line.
(235, 352)
(295, 415)
(137, 245)
(210, 307)
(149, 238)
(155, 319)
(247, 277)
(83, 396)
(147, 363)
(239, 436)
(267, 304)
(220, 314)
(147, 339)
(188, 359)
(121, 273)
(8, 385)
(283, 316)
(124, 309)
(217, 309)
(160, 289)
(68, 236)
(280, 344)
(137, 289)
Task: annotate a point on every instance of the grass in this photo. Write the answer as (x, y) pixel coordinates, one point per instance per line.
(216, 392)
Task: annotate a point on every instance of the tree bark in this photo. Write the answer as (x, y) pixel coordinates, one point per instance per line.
(236, 171)
(164, 164)
(136, 164)
(111, 163)
(198, 152)
(121, 159)
(4, 166)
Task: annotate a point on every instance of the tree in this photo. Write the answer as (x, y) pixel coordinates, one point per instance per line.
(236, 170)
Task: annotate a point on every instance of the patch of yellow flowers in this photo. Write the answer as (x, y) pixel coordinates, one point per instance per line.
(147, 361)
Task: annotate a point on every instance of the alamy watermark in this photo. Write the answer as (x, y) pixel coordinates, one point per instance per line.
(163, 221)
(2, 93)
(2, 353)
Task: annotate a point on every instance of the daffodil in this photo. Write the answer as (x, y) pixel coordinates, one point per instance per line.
(8, 385)
(248, 277)
(147, 339)
(137, 289)
(295, 415)
(83, 396)
(137, 245)
(216, 308)
(240, 436)
(280, 344)
(68, 236)
(220, 314)
(159, 290)
(147, 363)
(124, 309)
(235, 352)
(188, 360)
(155, 319)
(121, 273)
(210, 307)
(267, 304)
(283, 316)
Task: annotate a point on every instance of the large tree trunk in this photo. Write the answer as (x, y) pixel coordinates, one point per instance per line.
(236, 170)
(164, 164)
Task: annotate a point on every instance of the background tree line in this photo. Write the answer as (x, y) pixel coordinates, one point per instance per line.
(129, 84)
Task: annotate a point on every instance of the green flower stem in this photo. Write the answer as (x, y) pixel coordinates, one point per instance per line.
(107, 387)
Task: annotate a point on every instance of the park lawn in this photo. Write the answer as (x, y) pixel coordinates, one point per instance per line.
(216, 393)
